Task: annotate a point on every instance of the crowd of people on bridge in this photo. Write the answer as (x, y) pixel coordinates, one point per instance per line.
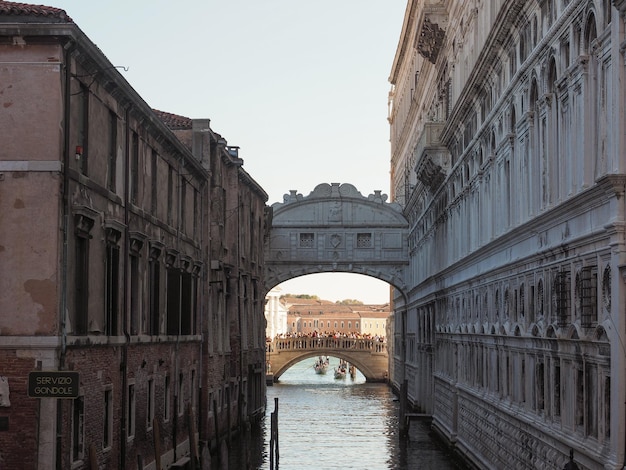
(332, 334)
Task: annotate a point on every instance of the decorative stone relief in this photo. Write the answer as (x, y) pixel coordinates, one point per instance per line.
(430, 40)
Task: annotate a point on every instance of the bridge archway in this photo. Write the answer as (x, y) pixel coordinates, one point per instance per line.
(336, 229)
(364, 369)
(369, 356)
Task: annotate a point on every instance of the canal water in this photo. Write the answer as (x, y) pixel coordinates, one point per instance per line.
(326, 423)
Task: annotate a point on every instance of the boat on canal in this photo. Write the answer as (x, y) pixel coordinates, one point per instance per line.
(321, 365)
(341, 371)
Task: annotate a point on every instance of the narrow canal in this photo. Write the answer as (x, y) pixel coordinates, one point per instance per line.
(326, 423)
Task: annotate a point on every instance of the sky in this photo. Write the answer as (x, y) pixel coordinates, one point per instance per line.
(301, 87)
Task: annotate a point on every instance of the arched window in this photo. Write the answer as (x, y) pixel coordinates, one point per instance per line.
(595, 114)
(551, 166)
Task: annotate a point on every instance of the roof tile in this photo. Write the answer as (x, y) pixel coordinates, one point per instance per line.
(174, 121)
(27, 9)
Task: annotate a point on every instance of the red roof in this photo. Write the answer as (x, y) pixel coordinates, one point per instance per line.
(27, 9)
(174, 121)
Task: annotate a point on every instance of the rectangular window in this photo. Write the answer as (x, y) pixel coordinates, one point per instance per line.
(539, 380)
(155, 280)
(607, 408)
(107, 432)
(112, 288)
(181, 394)
(173, 301)
(170, 196)
(167, 410)
(187, 305)
(112, 151)
(81, 282)
(192, 389)
(307, 240)
(523, 382)
(557, 390)
(195, 215)
(580, 398)
(154, 183)
(134, 295)
(78, 429)
(183, 205)
(130, 422)
(562, 298)
(134, 168)
(83, 128)
(150, 404)
(592, 400)
(588, 300)
(363, 240)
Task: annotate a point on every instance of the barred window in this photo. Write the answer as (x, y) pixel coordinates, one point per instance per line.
(307, 240)
(363, 240)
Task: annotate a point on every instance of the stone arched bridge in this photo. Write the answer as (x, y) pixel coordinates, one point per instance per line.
(368, 355)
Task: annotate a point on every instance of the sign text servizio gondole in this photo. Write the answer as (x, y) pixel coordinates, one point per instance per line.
(53, 384)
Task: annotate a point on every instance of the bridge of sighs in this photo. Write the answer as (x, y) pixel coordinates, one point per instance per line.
(336, 229)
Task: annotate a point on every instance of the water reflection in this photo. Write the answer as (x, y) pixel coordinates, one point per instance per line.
(327, 423)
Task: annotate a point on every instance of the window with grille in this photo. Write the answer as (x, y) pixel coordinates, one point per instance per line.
(561, 297)
(586, 284)
(363, 240)
(307, 240)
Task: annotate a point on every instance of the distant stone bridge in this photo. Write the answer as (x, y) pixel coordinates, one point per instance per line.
(368, 355)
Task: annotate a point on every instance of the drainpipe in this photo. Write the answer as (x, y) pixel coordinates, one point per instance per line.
(239, 308)
(124, 364)
(200, 321)
(181, 166)
(65, 211)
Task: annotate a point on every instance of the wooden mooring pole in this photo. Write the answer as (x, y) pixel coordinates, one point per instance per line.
(274, 436)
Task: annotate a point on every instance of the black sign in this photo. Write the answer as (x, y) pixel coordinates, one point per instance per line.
(53, 384)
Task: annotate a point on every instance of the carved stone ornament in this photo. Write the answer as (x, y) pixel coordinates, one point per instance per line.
(430, 40)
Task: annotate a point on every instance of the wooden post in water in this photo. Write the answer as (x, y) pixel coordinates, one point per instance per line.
(276, 428)
(272, 441)
(274, 436)
(404, 423)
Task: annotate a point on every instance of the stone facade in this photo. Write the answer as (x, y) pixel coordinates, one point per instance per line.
(507, 136)
(312, 316)
(123, 258)
(275, 313)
